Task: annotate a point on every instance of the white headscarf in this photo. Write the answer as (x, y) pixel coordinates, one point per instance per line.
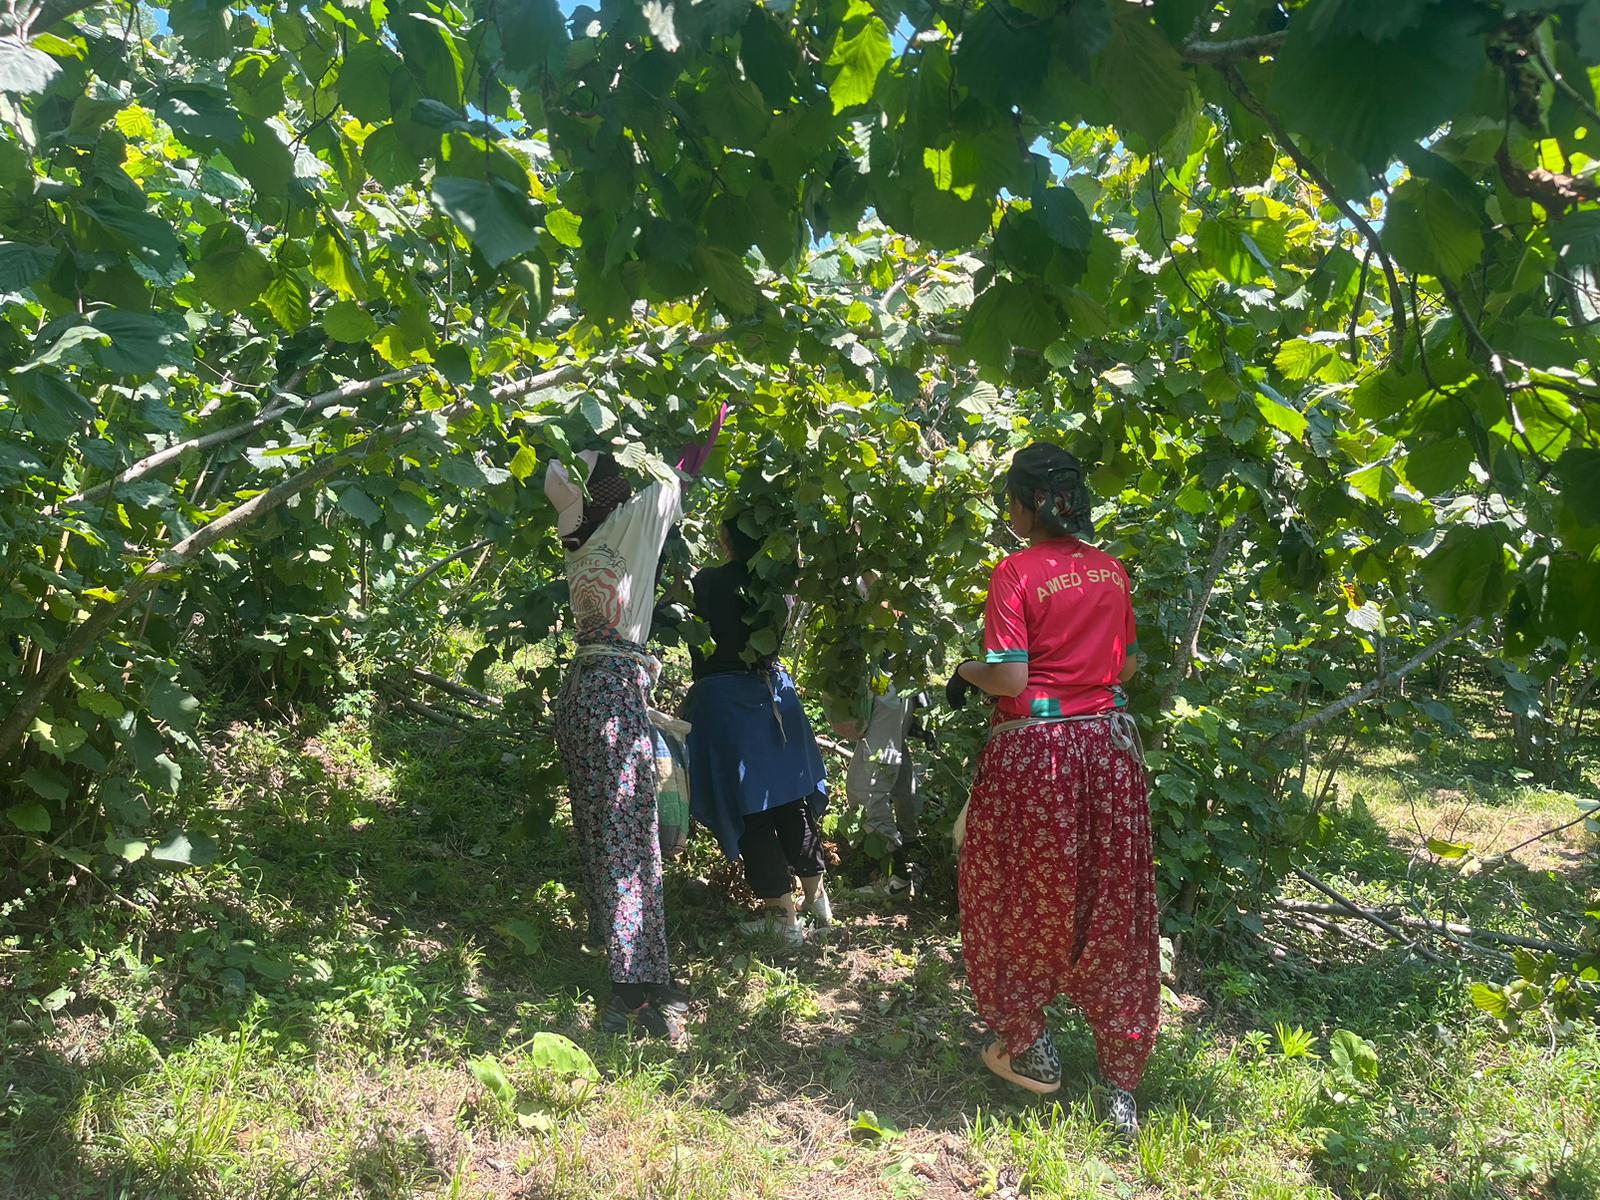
(566, 495)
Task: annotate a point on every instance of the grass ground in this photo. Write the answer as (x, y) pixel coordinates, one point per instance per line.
(301, 1019)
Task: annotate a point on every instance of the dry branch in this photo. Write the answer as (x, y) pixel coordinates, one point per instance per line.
(835, 747)
(1297, 918)
(1350, 907)
(1411, 921)
(459, 690)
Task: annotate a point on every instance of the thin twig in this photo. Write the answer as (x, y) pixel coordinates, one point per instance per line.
(1560, 80)
(1539, 837)
(434, 568)
(1390, 913)
(1355, 309)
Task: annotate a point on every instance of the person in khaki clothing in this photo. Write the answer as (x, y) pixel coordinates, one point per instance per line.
(883, 782)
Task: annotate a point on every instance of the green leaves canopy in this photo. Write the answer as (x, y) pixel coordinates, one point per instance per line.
(298, 297)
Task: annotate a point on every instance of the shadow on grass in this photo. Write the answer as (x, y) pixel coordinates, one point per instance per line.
(408, 913)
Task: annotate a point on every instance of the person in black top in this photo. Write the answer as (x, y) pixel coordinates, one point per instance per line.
(756, 778)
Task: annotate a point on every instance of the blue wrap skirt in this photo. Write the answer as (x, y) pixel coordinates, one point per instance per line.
(751, 749)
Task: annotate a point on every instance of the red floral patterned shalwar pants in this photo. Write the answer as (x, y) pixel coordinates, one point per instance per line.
(1058, 891)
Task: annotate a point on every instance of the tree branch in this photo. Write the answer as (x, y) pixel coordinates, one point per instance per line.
(1227, 538)
(1245, 49)
(1471, 932)
(154, 462)
(1323, 715)
(435, 567)
(459, 690)
(1397, 304)
(1497, 368)
(1355, 910)
(901, 284)
(1556, 192)
(23, 22)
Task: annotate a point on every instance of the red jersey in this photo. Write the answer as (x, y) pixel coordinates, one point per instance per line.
(1066, 609)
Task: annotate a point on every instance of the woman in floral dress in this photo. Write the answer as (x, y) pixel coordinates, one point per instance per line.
(1057, 881)
(613, 536)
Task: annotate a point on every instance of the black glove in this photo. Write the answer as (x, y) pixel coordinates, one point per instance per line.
(956, 691)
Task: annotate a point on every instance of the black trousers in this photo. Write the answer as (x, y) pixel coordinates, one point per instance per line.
(779, 844)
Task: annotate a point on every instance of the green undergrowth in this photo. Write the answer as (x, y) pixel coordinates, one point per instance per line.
(301, 1018)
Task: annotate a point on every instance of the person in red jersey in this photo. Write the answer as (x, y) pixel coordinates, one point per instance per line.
(1057, 880)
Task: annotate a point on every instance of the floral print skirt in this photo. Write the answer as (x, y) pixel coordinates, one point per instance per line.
(608, 753)
(1058, 891)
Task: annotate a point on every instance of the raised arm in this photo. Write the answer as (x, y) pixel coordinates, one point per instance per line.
(692, 458)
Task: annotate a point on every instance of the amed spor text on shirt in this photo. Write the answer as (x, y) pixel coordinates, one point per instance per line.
(1072, 579)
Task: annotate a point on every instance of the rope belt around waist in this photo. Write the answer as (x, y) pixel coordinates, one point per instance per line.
(652, 666)
(1124, 730)
(649, 662)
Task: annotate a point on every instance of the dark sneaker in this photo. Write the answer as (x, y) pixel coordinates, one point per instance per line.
(669, 995)
(1124, 1113)
(1038, 1068)
(617, 1018)
(664, 1019)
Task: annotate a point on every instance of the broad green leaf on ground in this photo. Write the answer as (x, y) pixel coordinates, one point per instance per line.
(1353, 1057)
(492, 1076)
(562, 1057)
